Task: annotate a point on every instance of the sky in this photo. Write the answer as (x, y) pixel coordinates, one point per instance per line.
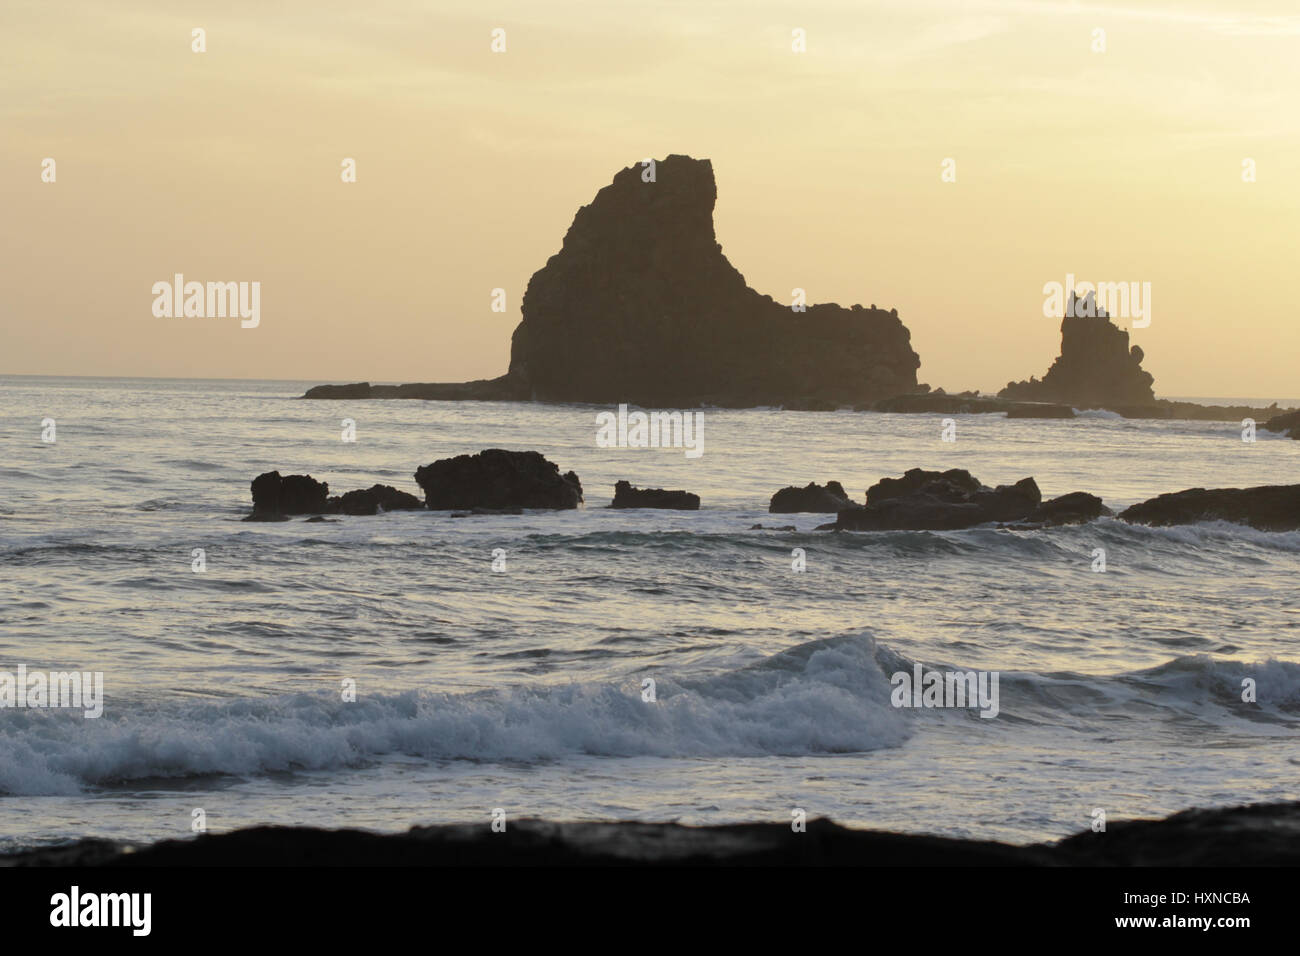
(1122, 164)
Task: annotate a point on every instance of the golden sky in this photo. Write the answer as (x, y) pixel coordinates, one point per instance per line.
(1122, 165)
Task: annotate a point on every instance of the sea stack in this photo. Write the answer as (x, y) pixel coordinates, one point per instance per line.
(1096, 367)
(641, 306)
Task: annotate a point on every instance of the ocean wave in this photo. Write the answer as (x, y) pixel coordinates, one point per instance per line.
(829, 696)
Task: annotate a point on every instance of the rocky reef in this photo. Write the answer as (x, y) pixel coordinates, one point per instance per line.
(497, 479)
(951, 500)
(1096, 367)
(626, 496)
(641, 306)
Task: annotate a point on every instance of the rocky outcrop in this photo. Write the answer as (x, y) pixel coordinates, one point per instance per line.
(1096, 367)
(950, 500)
(641, 306)
(1267, 507)
(1287, 424)
(626, 496)
(373, 500)
(938, 501)
(815, 498)
(491, 389)
(277, 496)
(915, 479)
(497, 479)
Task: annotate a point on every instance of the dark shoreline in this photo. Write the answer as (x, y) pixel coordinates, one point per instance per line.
(1252, 835)
(934, 403)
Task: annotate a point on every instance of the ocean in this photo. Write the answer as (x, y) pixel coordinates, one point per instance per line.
(522, 689)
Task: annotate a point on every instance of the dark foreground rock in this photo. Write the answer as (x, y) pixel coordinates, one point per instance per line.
(499, 480)
(626, 496)
(1255, 835)
(1096, 367)
(1267, 507)
(641, 306)
(814, 499)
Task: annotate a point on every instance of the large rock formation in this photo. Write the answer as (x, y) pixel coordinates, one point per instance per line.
(498, 479)
(1096, 367)
(641, 306)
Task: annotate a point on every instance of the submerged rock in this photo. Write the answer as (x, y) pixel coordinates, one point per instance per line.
(626, 496)
(497, 479)
(814, 498)
(1266, 507)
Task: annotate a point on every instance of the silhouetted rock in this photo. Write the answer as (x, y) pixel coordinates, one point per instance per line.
(374, 499)
(1288, 424)
(1074, 508)
(477, 512)
(814, 498)
(1096, 367)
(625, 496)
(354, 391)
(1267, 507)
(498, 479)
(1036, 410)
(938, 501)
(914, 479)
(641, 306)
(276, 496)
